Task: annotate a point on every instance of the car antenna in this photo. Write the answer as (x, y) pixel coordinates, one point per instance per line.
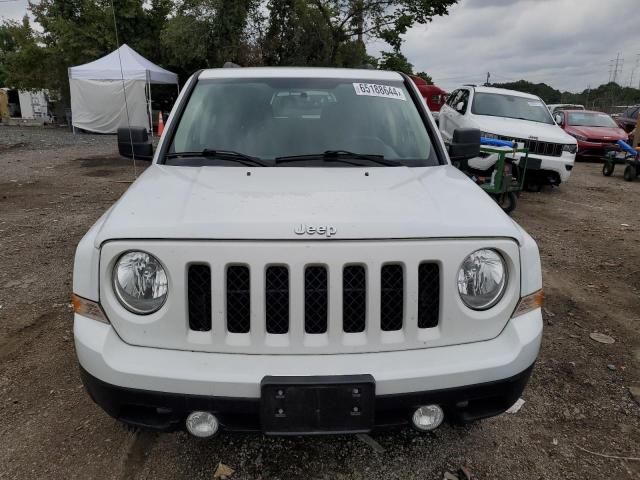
(124, 93)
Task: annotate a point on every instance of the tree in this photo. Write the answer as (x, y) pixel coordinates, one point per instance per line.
(386, 20)
(334, 32)
(20, 55)
(426, 77)
(395, 61)
(73, 32)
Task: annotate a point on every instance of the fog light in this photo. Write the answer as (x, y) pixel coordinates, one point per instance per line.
(427, 418)
(202, 424)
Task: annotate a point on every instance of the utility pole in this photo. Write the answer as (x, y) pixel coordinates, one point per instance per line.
(633, 70)
(586, 103)
(615, 68)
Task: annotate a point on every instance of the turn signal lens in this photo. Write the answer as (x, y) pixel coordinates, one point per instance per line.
(88, 308)
(529, 303)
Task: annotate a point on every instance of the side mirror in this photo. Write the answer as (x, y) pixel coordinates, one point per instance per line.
(558, 119)
(460, 107)
(135, 141)
(465, 144)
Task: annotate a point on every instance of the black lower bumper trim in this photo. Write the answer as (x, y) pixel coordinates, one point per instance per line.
(167, 411)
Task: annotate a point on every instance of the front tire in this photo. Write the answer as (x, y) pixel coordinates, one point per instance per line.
(630, 173)
(607, 169)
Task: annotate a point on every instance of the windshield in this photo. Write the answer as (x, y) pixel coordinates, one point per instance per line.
(271, 119)
(581, 119)
(511, 106)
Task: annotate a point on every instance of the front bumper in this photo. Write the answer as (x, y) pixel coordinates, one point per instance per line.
(559, 167)
(594, 149)
(157, 388)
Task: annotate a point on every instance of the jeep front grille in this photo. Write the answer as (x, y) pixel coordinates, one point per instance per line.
(537, 147)
(277, 298)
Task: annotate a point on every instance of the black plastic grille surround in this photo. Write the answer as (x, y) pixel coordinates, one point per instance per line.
(277, 299)
(316, 299)
(199, 297)
(238, 299)
(428, 295)
(391, 297)
(354, 298)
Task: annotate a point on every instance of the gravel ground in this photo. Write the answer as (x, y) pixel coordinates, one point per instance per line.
(578, 403)
(37, 138)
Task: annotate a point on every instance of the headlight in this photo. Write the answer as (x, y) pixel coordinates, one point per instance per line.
(570, 148)
(482, 279)
(140, 282)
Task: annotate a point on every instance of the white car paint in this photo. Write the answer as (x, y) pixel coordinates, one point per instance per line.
(221, 215)
(450, 119)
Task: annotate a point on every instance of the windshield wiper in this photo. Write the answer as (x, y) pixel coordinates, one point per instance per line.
(228, 155)
(342, 156)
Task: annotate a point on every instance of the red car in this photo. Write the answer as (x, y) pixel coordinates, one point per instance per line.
(432, 94)
(596, 132)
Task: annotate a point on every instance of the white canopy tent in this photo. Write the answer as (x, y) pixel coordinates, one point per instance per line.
(97, 96)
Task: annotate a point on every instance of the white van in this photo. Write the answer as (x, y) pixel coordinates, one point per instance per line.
(512, 115)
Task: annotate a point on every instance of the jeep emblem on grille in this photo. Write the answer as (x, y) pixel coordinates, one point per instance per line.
(327, 230)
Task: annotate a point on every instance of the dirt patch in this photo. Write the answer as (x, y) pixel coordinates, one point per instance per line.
(589, 237)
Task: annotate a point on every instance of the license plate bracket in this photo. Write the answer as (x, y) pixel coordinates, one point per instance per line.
(317, 405)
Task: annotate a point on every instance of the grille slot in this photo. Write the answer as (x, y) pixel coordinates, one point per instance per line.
(277, 299)
(354, 298)
(428, 295)
(316, 299)
(199, 297)
(238, 299)
(391, 297)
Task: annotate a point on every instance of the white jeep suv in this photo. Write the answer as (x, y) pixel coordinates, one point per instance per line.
(511, 115)
(300, 257)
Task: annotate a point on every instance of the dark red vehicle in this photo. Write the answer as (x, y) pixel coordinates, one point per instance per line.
(432, 94)
(596, 132)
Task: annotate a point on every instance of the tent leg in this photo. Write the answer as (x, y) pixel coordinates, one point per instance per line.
(150, 107)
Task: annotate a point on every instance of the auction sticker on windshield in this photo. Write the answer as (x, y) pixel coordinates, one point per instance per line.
(375, 90)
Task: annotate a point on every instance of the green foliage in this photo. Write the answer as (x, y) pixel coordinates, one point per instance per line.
(604, 97)
(185, 35)
(19, 55)
(333, 32)
(542, 90)
(426, 77)
(395, 61)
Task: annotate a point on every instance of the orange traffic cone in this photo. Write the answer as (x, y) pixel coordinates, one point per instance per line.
(160, 124)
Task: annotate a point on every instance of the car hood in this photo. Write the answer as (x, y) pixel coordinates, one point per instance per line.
(271, 203)
(599, 133)
(510, 127)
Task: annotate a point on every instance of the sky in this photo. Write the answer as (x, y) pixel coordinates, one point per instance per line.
(567, 44)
